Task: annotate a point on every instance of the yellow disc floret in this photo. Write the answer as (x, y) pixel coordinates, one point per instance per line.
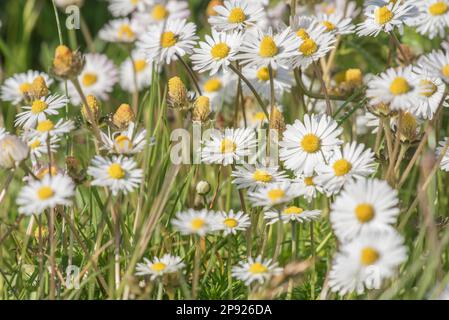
(116, 171)
(364, 212)
(310, 143)
(341, 167)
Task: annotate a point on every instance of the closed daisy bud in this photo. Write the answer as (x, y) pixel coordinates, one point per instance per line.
(94, 106)
(354, 76)
(201, 109)
(409, 127)
(203, 187)
(41, 173)
(67, 64)
(123, 116)
(210, 10)
(39, 87)
(277, 121)
(12, 151)
(177, 91)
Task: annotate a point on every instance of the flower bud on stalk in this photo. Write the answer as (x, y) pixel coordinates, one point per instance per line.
(123, 116)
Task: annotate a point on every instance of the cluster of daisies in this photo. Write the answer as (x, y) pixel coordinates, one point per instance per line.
(251, 57)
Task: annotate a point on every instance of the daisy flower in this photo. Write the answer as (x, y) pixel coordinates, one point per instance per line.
(163, 43)
(430, 91)
(436, 64)
(236, 15)
(260, 79)
(39, 110)
(336, 23)
(12, 150)
(256, 270)
(307, 144)
(143, 70)
(396, 87)
(120, 30)
(46, 128)
(97, 78)
(116, 173)
(307, 186)
(385, 15)
(232, 222)
(129, 141)
(124, 7)
(216, 52)
(366, 261)
(197, 222)
(47, 193)
(292, 214)
(219, 88)
(39, 146)
(161, 10)
(228, 147)
(354, 161)
(433, 17)
(261, 49)
(273, 194)
(252, 177)
(14, 88)
(314, 43)
(159, 266)
(364, 205)
(444, 165)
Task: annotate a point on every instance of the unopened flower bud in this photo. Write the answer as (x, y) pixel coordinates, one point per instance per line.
(94, 107)
(277, 121)
(67, 64)
(123, 116)
(203, 188)
(354, 76)
(408, 127)
(12, 151)
(177, 92)
(210, 10)
(201, 109)
(39, 88)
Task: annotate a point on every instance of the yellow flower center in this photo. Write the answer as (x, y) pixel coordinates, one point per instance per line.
(212, 85)
(276, 194)
(353, 75)
(263, 74)
(220, 51)
(116, 171)
(369, 256)
(230, 222)
(38, 106)
(262, 176)
(45, 193)
(438, 8)
(89, 79)
(159, 12)
(310, 143)
(293, 210)
(308, 181)
(260, 116)
(168, 39)
(123, 142)
(308, 47)
(399, 86)
(125, 32)
(227, 146)
(43, 172)
(35, 144)
(45, 126)
(257, 268)
(268, 47)
(445, 70)
(197, 223)
(158, 266)
(329, 25)
(236, 16)
(302, 33)
(140, 65)
(383, 15)
(428, 88)
(341, 167)
(25, 87)
(364, 212)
